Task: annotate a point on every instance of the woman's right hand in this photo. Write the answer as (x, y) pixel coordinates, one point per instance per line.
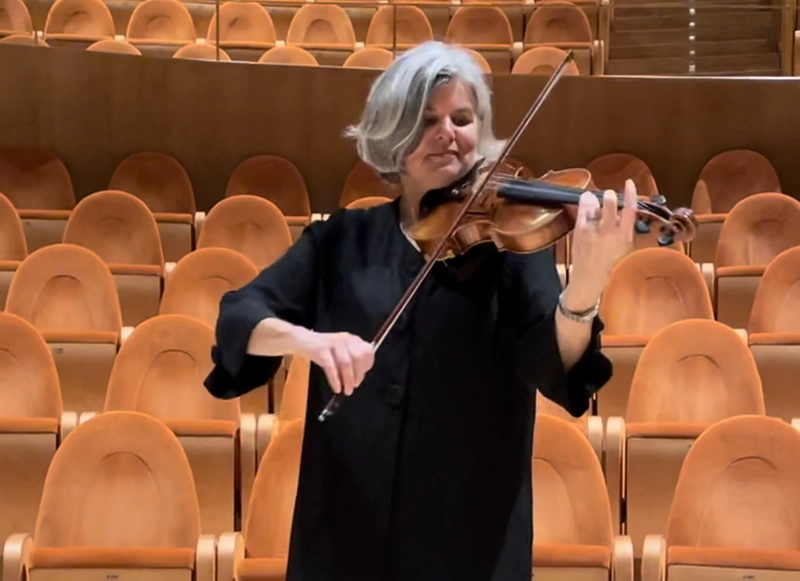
(345, 358)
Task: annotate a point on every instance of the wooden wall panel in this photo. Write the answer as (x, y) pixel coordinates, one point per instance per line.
(94, 109)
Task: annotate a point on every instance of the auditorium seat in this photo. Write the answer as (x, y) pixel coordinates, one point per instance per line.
(201, 52)
(733, 515)
(774, 334)
(120, 229)
(246, 30)
(278, 180)
(67, 292)
(32, 422)
(15, 18)
(160, 371)
(648, 289)
(288, 55)
(370, 58)
(162, 183)
(194, 287)
(589, 425)
(691, 374)
(364, 182)
(360, 14)
(543, 60)
(725, 180)
(486, 30)
(261, 550)
(563, 24)
(78, 23)
(160, 28)
(325, 31)
(13, 248)
(250, 225)
(398, 27)
(574, 535)
(754, 232)
(114, 46)
(38, 184)
(480, 60)
(611, 170)
(118, 501)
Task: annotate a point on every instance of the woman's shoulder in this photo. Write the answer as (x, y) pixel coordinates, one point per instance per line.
(353, 225)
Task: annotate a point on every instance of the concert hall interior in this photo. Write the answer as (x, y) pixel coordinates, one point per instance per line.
(156, 154)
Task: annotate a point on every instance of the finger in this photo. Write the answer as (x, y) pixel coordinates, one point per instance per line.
(344, 363)
(629, 211)
(609, 209)
(588, 207)
(328, 364)
(363, 359)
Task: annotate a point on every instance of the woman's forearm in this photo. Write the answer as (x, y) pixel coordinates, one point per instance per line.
(274, 337)
(573, 337)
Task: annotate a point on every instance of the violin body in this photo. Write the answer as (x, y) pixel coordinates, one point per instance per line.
(510, 226)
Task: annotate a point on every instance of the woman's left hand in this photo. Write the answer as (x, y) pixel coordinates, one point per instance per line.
(602, 235)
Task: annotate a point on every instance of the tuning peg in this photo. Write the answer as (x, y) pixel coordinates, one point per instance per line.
(658, 200)
(642, 226)
(666, 238)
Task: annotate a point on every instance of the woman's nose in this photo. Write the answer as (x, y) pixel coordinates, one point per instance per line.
(447, 130)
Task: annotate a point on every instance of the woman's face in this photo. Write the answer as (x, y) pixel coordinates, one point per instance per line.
(447, 150)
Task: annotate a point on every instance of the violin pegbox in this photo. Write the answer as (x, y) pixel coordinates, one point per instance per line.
(679, 225)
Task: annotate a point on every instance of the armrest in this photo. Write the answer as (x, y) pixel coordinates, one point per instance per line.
(795, 423)
(124, 334)
(709, 274)
(17, 557)
(616, 445)
(230, 552)
(743, 334)
(199, 220)
(594, 433)
(69, 421)
(622, 559)
(168, 268)
(86, 416)
(248, 460)
(654, 558)
(266, 428)
(205, 564)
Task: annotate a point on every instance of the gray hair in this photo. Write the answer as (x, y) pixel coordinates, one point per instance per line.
(391, 126)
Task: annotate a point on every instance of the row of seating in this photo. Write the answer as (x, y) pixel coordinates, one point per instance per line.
(119, 497)
(39, 185)
(325, 31)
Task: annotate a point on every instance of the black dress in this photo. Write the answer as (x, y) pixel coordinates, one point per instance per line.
(424, 474)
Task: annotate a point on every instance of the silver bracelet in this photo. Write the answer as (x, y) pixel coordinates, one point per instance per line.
(583, 317)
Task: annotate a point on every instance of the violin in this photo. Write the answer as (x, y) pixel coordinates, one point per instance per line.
(523, 216)
(515, 213)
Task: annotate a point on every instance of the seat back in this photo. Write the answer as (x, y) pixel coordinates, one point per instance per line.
(757, 229)
(159, 180)
(694, 371)
(775, 308)
(13, 245)
(251, 225)
(269, 522)
(198, 281)
(120, 480)
(272, 177)
(570, 500)
(739, 487)
(118, 227)
(35, 179)
(651, 288)
(65, 288)
(29, 386)
(729, 177)
(160, 370)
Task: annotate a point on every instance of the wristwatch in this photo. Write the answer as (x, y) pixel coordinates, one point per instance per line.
(581, 317)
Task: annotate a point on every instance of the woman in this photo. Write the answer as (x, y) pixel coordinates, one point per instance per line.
(423, 473)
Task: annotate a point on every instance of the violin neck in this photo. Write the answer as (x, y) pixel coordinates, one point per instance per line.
(545, 193)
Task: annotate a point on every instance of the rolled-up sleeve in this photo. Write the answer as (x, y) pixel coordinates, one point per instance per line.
(531, 300)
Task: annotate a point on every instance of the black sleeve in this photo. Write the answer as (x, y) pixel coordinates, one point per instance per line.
(285, 290)
(534, 290)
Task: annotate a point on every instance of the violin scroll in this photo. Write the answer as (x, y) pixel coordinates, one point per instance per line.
(679, 225)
